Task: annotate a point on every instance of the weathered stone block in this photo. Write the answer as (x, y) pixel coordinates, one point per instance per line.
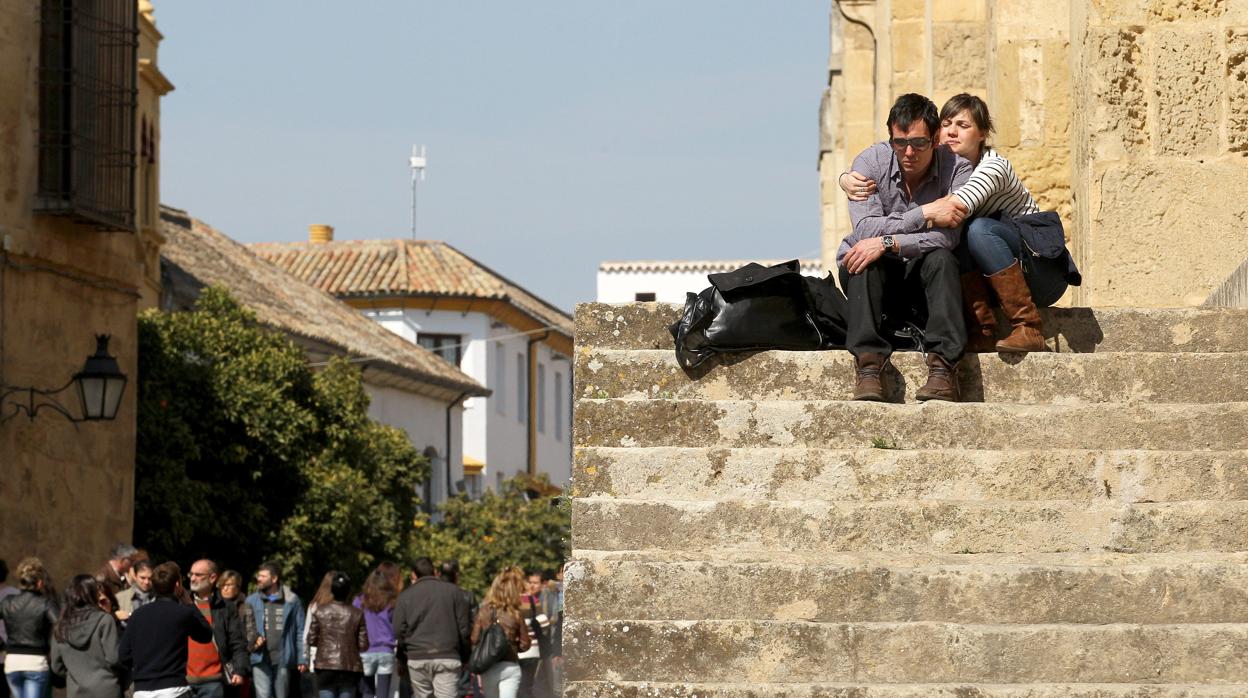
(1188, 91)
(909, 10)
(959, 11)
(644, 325)
(909, 47)
(1030, 20)
(1118, 12)
(1046, 172)
(1119, 121)
(754, 689)
(1186, 10)
(1237, 90)
(979, 588)
(1145, 210)
(1058, 87)
(884, 474)
(886, 653)
(959, 56)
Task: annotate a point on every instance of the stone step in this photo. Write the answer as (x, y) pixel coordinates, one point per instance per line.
(644, 326)
(908, 526)
(1063, 588)
(650, 689)
(880, 474)
(841, 424)
(1031, 378)
(802, 652)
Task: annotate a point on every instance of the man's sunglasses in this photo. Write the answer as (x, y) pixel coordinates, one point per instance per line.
(919, 144)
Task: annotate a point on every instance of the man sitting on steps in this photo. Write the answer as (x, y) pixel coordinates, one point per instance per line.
(900, 253)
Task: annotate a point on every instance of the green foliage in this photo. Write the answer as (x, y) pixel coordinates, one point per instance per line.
(245, 453)
(498, 530)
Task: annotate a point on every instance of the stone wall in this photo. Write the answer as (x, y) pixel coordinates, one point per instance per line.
(1128, 117)
(1163, 91)
(67, 491)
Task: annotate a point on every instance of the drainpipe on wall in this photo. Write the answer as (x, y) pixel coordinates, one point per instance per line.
(532, 431)
(450, 487)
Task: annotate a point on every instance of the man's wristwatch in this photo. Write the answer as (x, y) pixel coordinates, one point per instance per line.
(889, 242)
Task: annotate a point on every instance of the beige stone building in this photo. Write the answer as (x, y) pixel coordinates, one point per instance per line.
(79, 185)
(1129, 117)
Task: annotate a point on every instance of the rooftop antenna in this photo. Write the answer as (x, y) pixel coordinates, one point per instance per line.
(417, 162)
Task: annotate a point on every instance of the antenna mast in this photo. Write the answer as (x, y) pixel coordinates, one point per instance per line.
(417, 163)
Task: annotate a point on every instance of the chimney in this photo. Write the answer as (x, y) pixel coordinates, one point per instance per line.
(320, 234)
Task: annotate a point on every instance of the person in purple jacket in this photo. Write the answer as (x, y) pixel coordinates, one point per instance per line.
(381, 590)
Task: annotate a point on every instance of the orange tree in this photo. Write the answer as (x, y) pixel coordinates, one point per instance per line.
(516, 526)
(246, 453)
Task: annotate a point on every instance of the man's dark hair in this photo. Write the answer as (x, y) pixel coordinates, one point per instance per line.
(272, 568)
(340, 586)
(910, 108)
(423, 567)
(450, 570)
(143, 565)
(4, 571)
(165, 578)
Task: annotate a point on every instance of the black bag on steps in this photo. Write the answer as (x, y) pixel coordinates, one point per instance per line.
(755, 308)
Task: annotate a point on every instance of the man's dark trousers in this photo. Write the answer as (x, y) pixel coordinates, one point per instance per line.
(891, 286)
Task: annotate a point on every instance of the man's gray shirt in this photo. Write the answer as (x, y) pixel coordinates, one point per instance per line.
(890, 211)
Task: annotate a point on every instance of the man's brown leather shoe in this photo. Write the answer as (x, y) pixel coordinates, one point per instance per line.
(981, 322)
(869, 384)
(942, 381)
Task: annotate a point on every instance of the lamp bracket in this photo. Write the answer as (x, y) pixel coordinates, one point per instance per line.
(34, 400)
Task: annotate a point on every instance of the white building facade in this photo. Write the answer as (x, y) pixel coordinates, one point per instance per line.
(669, 281)
(496, 429)
(516, 345)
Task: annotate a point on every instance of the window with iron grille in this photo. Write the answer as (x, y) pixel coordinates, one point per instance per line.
(87, 100)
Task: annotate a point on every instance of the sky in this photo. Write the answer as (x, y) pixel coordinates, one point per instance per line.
(560, 133)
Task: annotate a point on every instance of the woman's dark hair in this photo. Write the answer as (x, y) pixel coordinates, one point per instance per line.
(969, 103)
(340, 586)
(380, 592)
(82, 595)
(910, 108)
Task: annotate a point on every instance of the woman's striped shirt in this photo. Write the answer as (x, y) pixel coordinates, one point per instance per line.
(994, 187)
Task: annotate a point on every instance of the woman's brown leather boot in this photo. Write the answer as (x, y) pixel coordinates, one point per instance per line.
(1011, 288)
(981, 322)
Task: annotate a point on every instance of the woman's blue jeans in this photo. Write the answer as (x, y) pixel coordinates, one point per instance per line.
(993, 246)
(28, 684)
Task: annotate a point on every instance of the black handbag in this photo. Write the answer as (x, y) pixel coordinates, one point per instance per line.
(491, 648)
(756, 308)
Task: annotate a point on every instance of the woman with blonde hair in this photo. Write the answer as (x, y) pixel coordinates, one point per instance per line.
(502, 606)
(29, 618)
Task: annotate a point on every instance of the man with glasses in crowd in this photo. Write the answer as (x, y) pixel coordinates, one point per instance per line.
(211, 665)
(899, 257)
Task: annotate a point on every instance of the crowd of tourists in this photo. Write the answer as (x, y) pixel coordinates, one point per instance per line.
(135, 628)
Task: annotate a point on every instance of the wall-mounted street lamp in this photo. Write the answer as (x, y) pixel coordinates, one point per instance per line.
(100, 385)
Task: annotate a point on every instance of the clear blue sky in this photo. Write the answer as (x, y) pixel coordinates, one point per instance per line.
(561, 133)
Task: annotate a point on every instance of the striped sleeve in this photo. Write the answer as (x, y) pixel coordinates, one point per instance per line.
(995, 187)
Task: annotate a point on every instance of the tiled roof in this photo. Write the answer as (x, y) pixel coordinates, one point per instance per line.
(371, 268)
(286, 303)
(809, 266)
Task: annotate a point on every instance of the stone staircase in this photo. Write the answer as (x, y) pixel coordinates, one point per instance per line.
(1080, 529)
